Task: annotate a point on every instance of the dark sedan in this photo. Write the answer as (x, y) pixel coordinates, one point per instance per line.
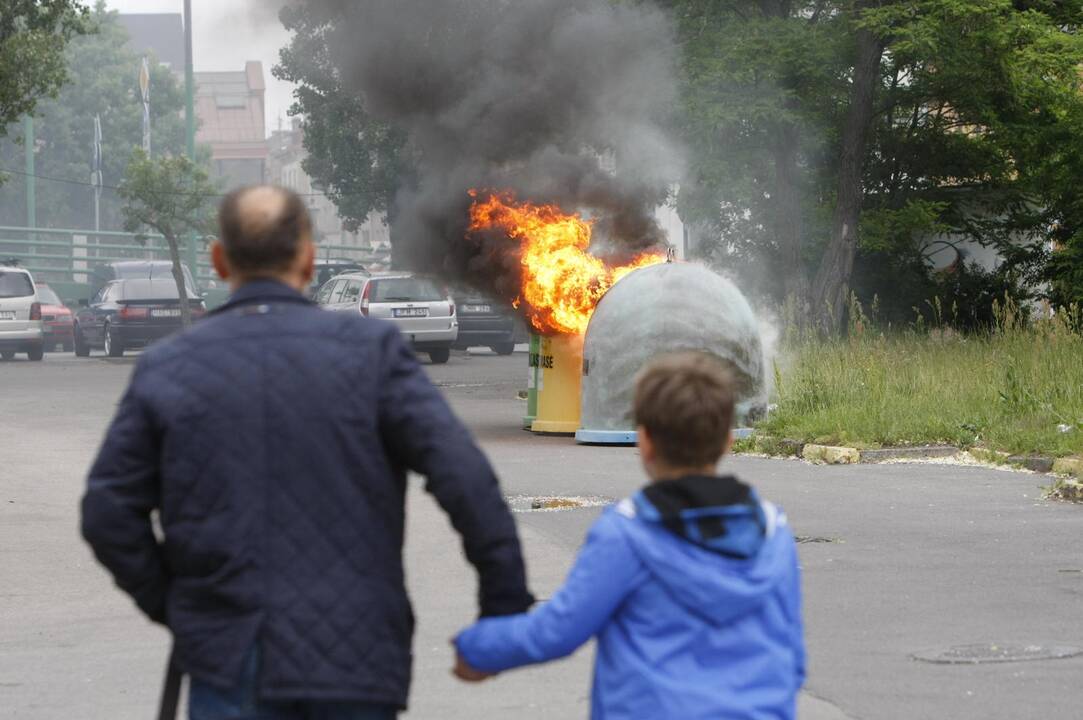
(127, 314)
(485, 322)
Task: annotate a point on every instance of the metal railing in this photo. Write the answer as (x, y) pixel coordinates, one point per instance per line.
(66, 258)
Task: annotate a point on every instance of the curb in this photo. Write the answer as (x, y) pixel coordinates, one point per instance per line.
(1034, 463)
(844, 455)
(909, 453)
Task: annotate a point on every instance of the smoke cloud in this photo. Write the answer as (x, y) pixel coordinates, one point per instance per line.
(559, 101)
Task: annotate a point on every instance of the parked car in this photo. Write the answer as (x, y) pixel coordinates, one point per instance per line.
(136, 269)
(485, 322)
(20, 313)
(329, 268)
(419, 306)
(128, 314)
(57, 320)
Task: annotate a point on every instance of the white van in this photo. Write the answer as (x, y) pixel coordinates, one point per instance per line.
(20, 314)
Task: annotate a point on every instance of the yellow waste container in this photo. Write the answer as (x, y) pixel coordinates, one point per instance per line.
(560, 360)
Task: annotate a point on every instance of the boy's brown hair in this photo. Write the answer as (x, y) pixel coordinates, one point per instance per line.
(684, 401)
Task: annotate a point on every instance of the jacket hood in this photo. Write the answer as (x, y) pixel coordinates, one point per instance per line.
(712, 542)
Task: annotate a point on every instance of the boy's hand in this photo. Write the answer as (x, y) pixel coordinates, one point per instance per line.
(466, 673)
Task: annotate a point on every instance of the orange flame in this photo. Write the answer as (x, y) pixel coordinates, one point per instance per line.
(561, 281)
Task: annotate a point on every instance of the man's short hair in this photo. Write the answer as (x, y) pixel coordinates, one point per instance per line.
(262, 228)
(684, 401)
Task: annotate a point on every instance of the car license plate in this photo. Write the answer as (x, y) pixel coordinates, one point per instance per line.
(165, 313)
(410, 312)
(477, 308)
(7, 315)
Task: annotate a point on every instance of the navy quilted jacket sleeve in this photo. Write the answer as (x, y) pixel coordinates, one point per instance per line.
(422, 434)
(122, 491)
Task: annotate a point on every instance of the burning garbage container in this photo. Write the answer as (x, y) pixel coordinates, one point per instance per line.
(560, 361)
(533, 375)
(659, 309)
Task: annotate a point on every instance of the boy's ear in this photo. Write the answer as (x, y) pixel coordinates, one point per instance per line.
(646, 445)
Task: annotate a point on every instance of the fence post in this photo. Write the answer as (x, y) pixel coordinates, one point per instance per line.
(78, 250)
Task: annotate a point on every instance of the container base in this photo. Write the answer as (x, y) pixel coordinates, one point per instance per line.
(605, 437)
(554, 427)
(628, 437)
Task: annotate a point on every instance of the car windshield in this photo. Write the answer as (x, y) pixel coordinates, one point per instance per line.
(47, 296)
(405, 290)
(151, 271)
(15, 284)
(159, 289)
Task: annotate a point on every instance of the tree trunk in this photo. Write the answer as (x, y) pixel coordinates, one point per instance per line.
(178, 277)
(831, 287)
(789, 226)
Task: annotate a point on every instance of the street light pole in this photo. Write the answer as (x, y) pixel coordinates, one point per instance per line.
(189, 83)
(31, 200)
(190, 120)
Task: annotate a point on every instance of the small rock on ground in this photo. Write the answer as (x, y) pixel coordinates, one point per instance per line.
(830, 455)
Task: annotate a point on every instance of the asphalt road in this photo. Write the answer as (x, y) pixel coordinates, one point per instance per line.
(918, 557)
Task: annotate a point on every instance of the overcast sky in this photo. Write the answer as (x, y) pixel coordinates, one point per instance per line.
(226, 33)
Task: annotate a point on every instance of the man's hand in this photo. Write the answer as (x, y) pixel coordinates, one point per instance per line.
(466, 673)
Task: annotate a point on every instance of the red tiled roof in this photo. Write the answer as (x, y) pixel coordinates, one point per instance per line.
(230, 108)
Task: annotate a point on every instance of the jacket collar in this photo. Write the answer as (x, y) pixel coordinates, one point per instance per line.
(263, 291)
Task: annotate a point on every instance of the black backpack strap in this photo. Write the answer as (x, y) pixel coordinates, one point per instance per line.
(171, 687)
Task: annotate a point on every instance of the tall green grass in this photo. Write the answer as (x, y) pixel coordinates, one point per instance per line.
(1006, 389)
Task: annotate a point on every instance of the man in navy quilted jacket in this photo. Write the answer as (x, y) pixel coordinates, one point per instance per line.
(274, 441)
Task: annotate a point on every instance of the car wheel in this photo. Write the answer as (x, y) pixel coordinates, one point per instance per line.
(113, 348)
(36, 353)
(7, 354)
(441, 356)
(505, 348)
(81, 348)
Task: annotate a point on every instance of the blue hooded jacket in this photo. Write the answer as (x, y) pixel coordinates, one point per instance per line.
(693, 590)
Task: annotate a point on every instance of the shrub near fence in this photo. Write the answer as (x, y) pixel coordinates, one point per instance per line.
(1016, 387)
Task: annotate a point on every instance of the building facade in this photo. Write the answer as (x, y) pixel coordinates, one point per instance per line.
(369, 244)
(232, 121)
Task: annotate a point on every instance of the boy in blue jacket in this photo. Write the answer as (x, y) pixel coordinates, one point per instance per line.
(691, 585)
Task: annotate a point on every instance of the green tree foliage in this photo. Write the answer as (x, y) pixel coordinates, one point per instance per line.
(358, 161)
(33, 34)
(970, 131)
(824, 136)
(103, 79)
(174, 197)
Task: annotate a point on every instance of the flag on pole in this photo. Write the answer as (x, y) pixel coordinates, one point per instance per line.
(144, 90)
(96, 169)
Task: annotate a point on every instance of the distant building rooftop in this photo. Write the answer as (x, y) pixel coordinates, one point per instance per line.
(159, 33)
(230, 106)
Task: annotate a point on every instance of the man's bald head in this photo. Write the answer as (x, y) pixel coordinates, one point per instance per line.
(262, 229)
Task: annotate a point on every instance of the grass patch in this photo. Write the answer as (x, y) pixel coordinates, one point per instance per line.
(1007, 389)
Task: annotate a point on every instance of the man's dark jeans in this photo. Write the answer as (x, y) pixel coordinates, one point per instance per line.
(207, 702)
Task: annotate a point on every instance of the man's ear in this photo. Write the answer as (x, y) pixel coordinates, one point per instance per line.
(308, 260)
(219, 260)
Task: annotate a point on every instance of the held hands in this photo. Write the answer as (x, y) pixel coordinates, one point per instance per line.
(465, 672)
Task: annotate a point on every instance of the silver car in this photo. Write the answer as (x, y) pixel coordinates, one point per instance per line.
(419, 306)
(20, 314)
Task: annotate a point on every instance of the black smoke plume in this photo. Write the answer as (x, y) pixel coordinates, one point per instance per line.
(558, 101)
